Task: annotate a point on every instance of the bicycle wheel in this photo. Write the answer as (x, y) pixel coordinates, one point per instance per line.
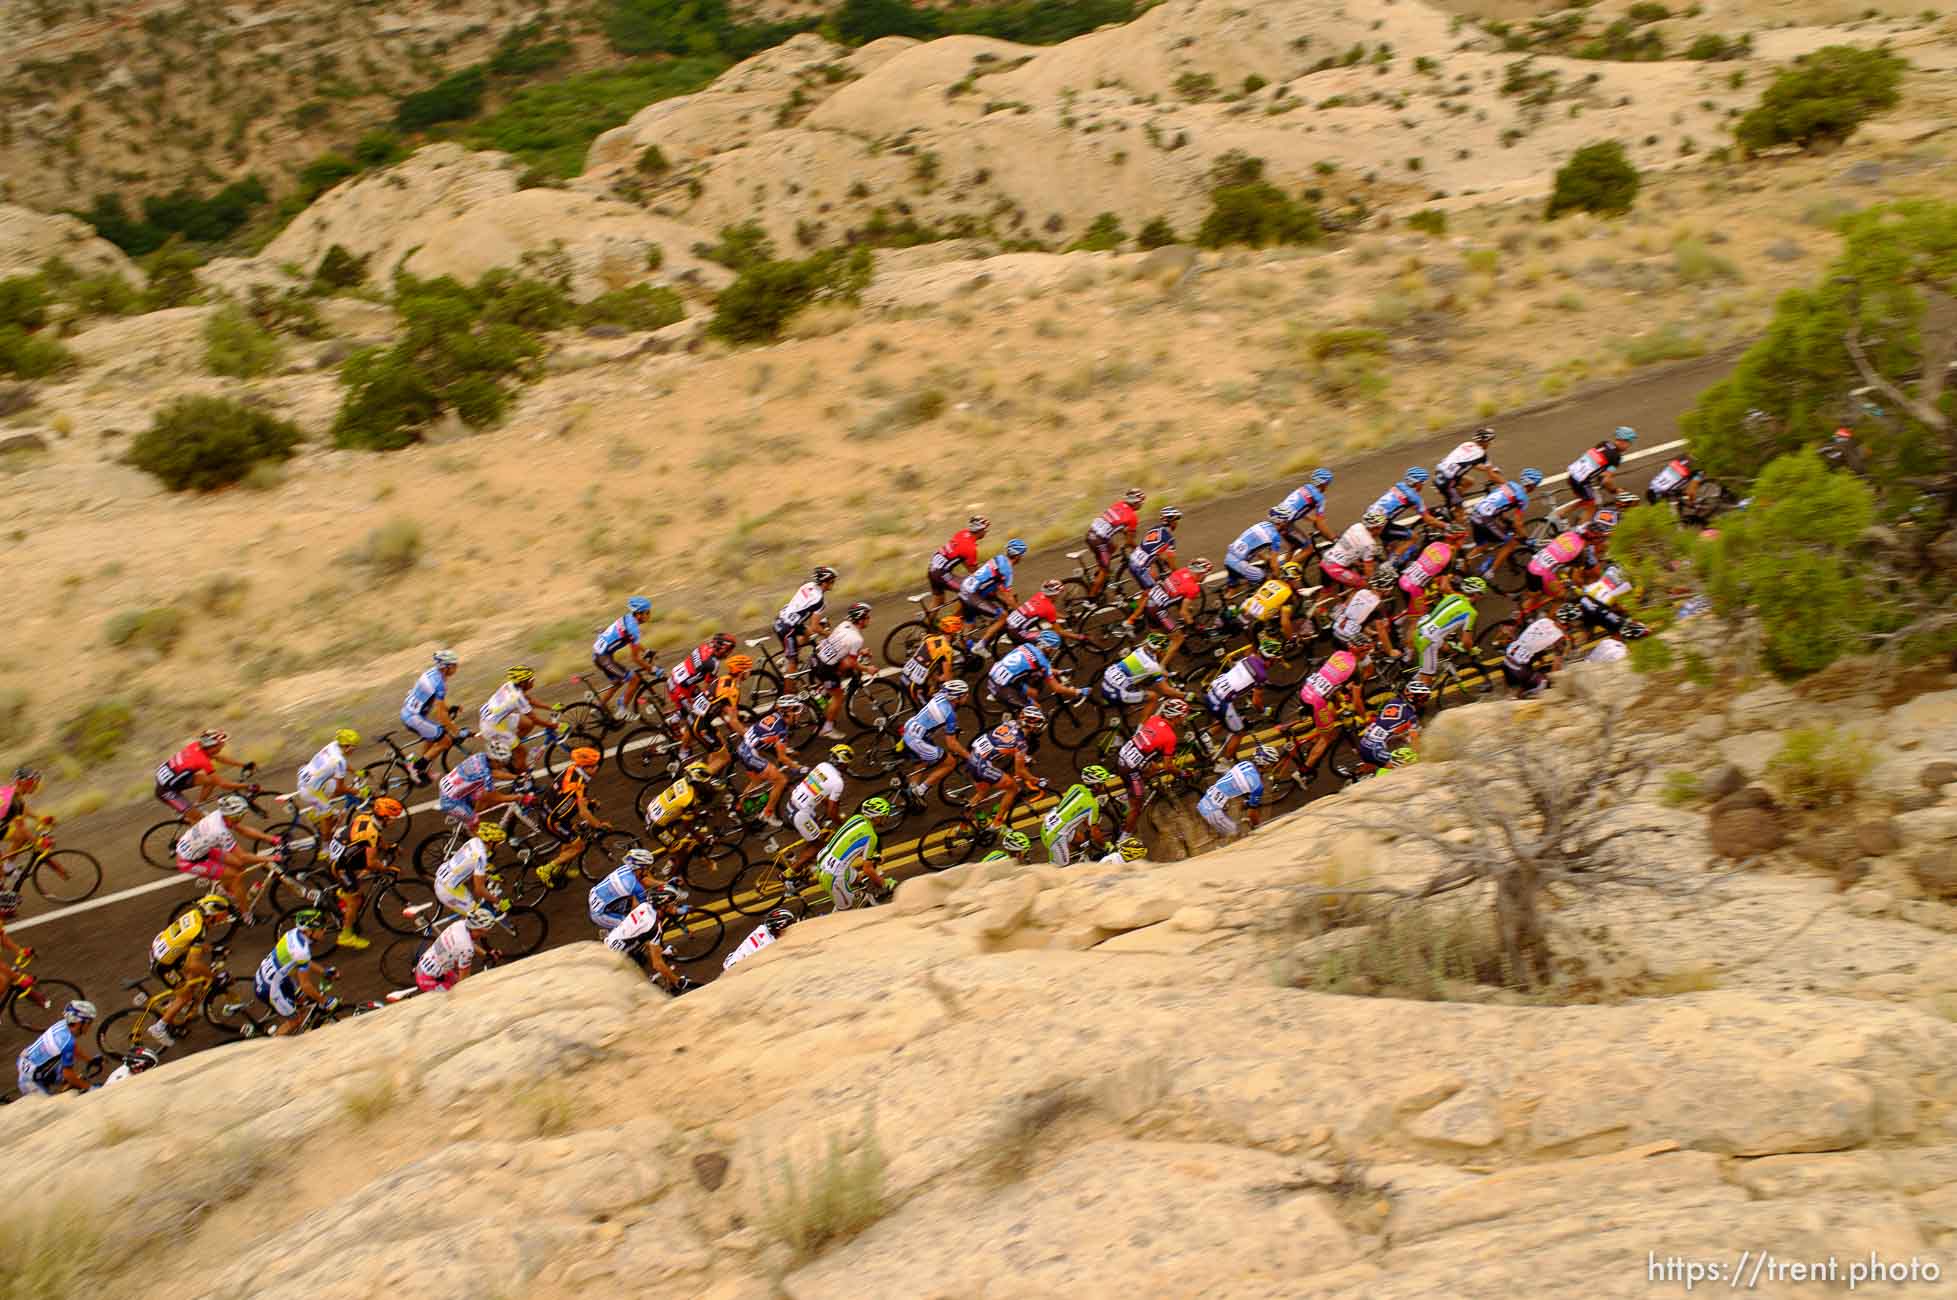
(435, 849)
(231, 1007)
(521, 932)
(36, 1009)
(1343, 758)
(764, 689)
(758, 889)
(646, 753)
(1541, 529)
(716, 873)
(1074, 723)
(293, 890)
(67, 876)
(391, 907)
(398, 961)
(1495, 638)
(588, 718)
(903, 639)
(159, 844)
(301, 842)
(1511, 576)
(389, 777)
(875, 754)
(557, 754)
(693, 936)
(876, 702)
(956, 790)
(948, 843)
(124, 1031)
(603, 851)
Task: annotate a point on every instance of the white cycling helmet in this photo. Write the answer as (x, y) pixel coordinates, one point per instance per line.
(498, 748)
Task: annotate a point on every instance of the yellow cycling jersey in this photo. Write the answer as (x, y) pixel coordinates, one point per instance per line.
(178, 938)
(1267, 601)
(937, 649)
(671, 804)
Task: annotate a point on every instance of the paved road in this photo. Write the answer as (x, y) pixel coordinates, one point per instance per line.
(98, 943)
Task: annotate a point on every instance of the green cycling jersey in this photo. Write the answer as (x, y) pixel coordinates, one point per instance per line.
(1077, 807)
(854, 843)
(1454, 614)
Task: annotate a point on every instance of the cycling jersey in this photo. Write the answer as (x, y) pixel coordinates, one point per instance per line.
(1029, 616)
(988, 577)
(1352, 617)
(1153, 543)
(671, 804)
(1453, 616)
(46, 1057)
(1267, 602)
(1243, 781)
(932, 653)
(1306, 501)
(695, 668)
(1502, 497)
(1261, 536)
(1431, 563)
(1400, 497)
(1179, 586)
(822, 785)
(1603, 456)
(1355, 545)
(1671, 480)
(11, 806)
(470, 778)
(361, 832)
(325, 768)
(499, 715)
(961, 549)
(291, 953)
(1078, 807)
(1117, 518)
(1612, 587)
(571, 787)
(807, 600)
(429, 688)
(1395, 719)
(1021, 661)
(1136, 668)
(1559, 552)
(996, 749)
(940, 713)
(1227, 686)
(623, 632)
(184, 767)
(853, 845)
(1538, 637)
(1459, 461)
(1318, 689)
(765, 733)
(1155, 737)
(177, 938)
(458, 868)
(841, 644)
(210, 835)
(754, 943)
(618, 893)
(453, 949)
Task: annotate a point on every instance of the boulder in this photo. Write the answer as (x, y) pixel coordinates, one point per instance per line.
(1936, 873)
(1744, 833)
(1875, 838)
(29, 441)
(1722, 781)
(1765, 706)
(1467, 1119)
(1937, 775)
(29, 238)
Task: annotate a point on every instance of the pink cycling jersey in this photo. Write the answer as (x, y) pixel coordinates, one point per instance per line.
(1430, 564)
(1557, 554)
(1319, 688)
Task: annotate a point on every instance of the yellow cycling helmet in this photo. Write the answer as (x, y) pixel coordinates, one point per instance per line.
(490, 833)
(346, 738)
(521, 675)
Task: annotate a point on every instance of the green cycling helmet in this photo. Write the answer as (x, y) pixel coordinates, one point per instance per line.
(1155, 641)
(1094, 774)
(1269, 646)
(876, 808)
(1403, 757)
(1473, 586)
(1014, 842)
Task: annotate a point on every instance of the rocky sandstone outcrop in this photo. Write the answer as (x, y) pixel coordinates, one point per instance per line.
(29, 238)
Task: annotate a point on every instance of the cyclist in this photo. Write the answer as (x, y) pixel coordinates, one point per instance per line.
(1458, 468)
(803, 609)
(1153, 744)
(1678, 482)
(938, 718)
(998, 763)
(1598, 603)
(1129, 848)
(697, 669)
(462, 881)
(51, 1060)
(1240, 559)
(451, 955)
(1276, 599)
(427, 712)
(624, 889)
(637, 936)
(839, 657)
(285, 981)
(1395, 727)
(136, 1062)
(15, 820)
(1243, 781)
(1349, 561)
(1364, 611)
(324, 778)
(1308, 502)
(930, 665)
(1403, 496)
(849, 862)
(1244, 678)
(509, 715)
(1536, 652)
(767, 932)
(1496, 520)
(1031, 617)
(1022, 670)
(675, 803)
(816, 802)
(1340, 679)
(962, 549)
(209, 849)
(986, 594)
(190, 775)
(1453, 619)
(9, 909)
(1172, 601)
(1013, 847)
(570, 813)
(1103, 536)
(1156, 550)
(466, 794)
(1138, 676)
(1429, 573)
(763, 750)
(1079, 810)
(623, 634)
(1569, 549)
(1595, 470)
(720, 705)
(356, 852)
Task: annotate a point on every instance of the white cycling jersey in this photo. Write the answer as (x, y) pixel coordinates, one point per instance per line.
(807, 600)
(1355, 546)
(452, 877)
(1536, 638)
(840, 644)
(209, 834)
(500, 713)
(639, 922)
(1352, 616)
(323, 769)
(453, 949)
(814, 791)
(754, 943)
(1459, 461)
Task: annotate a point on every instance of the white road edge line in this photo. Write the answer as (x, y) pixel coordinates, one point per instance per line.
(179, 881)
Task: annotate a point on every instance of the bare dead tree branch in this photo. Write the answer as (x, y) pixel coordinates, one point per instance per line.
(1927, 415)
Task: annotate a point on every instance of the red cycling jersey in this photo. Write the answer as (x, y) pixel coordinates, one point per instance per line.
(1155, 736)
(1120, 517)
(191, 758)
(1040, 607)
(961, 549)
(1185, 584)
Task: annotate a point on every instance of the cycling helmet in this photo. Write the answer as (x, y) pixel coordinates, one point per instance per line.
(1049, 641)
(215, 905)
(498, 748)
(1170, 514)
(823, 573)
(791, 706)
(521, 674)
(1259, 671)
(956, 689)
(1292, 571)
(1383, 578)
(1604, 522)
(447, 658)
(1014, 842)
(722, 642)
(639, 605)
(1360, 645)
(1134, 496)
(78, 1012)
(978, 523)
(697, 771)
(480, 918)
(346, 738)
(491, 833)
(1484, 436)
(388, 809)
(1415, 475)
(1052, 587)
(1269, 646)
(1131, 848)
(738, 665)
(1633, 630)
(1321, 477)
(1094, 774)
(1016, 548)
(1402, 757)
(1172, 709)
(212, 738)
(951, 624)
(233, 806)
(1531, 478)
(1474, 586)
(641, 859)
(586, 757)
(26, 773)
(1200, 566)
(310, 919)
(1569, 614)
(1373, 519)
(875, 807)
(1155, 641)
(1417, 691)
(841, 754)
(1263, 756)
(141, 1059)
(778, 920)
(859, 613)
(9, 904)
(1032, 716)
(1625, 433)
(1282, 514)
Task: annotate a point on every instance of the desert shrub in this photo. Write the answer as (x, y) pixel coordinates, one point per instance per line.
(1821, 767)
(1669, 342)
(1429, 221)
(455, 98)
(1259, 214)
(31, 356)
(1623, 42)
(56, 1250)
(16, 722)
(235, 345)
(202, 443)
(145, 629)
(741, 247)
(702, 28)
(172, 275)
(339, 269)
(1419, 952)
(181, 212)
(551, 126)
(638, 307)
(393, 548)
(1647, 11)
(380, 147)
(1103, 234)
(107, 294)
(1712, 47)
(1346, 341)
(1681, 788)
(1597, 178)
(1826, 95)
(653, 162)
(754, 308)
(839, 1196)
(523, 52)
(323, 173)
(1157, 233)
(1697, 264)
(96, 734)
(24, 301)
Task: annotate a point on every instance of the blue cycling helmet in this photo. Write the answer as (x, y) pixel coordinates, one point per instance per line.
(1415, 474)
(1016, 547)
(1049, 640)
(1626, 432)
(1321, 478)
(1531, 478)
(639, 605)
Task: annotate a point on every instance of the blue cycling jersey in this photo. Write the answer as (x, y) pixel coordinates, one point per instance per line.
(1401, 496)
(623, 632)
(988, 577)
(1503, 496)
(1243, 782)
(57, 1043)
(765, 732)
(997, 746)
(428, 688)
(1024, 661)
(1307, 500)
(1156, 540)
(1258, 537)
(616, 888)
(938, 714)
